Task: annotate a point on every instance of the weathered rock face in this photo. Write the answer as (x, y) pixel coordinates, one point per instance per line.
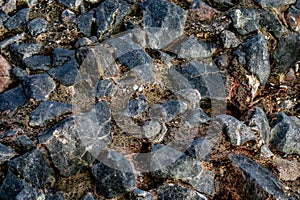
(275, 3)
(18, 20)
(177, 192)
(5, 79)
(6, 153)
(12, 99)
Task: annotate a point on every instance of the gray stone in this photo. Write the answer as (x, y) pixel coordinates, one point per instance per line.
(274, 3)
(89, 196)
(236, 130)
(18, 20)
(62, 56)
(200, 149)
(68, 16)
(38, 62)
(173, 108)
(37, 26)
(285, 134)
(65, 74)
(9, 133)
(196, 118)
(138, 194)
(3, 18)
(38, 86)
(6, 153)
(31, 3)
(287, 51)
(23, 143)
(19, 74)
(84, 23)
(136, 106)
(245, 20)
(192, 96)
(33, 167)
(163, 21)
(297, 4)
(259, 123)
(113, 175)
(176, 192)
(14, 188)
(73, 4)
(57, 195)
(48, 111)
(220, 4)
(10, 40)
(257, 178)
(151, 129)
(293, 16)
(12, 99)
(254, 51)
(86, 41)
(104, 88)
(20, 51)
(229, 39)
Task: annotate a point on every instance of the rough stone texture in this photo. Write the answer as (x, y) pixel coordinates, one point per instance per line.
(237, 131)
(8, 134)
(3, 18)
(289, 170)
(259, 123)
(285, 134)
(68, 16)
(89, 196)
(138, 194)
(176, 192)
(5, 79)
(38, 62)
(37, 26)
(245, 20)
(65, 74)
(33, 167)
(136, 106)
(297, 5)
(11, 40)
(293, 18)
(202, 11)
(253, 53)
(18, 20)
(173, 108)
(258, 179)
(73, 4)
(62, 56)
(229, 39)
(200, 149)
(196, 118)
(163, 22)
(104, 88)
(51, 195)
(48, 111)
(84, 23)
(20, 51)
(9, 6)
(12, 99)
(38, 86)
(6, 153)
(192, 96)
(287, 51)
(274, 3)
(113, 175)
(23, 143)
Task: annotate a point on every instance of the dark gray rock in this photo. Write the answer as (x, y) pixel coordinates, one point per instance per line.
(73, 4)
(297, 4)
(136, 106)
(18, 20)
(274, 3)
(23, 143)
(199, 149)
(220, 4)
(62, 56)
(48, 111)
(65, 74)
(259, 123)
(151, 129)
(3, 18)
(84, 23)
(163, 21)
(260, 183)
(19, 74)
(10, 40)
(57, 195)
(196, 118)
(104, 88)
(6, 153)
(38, 62)
(31, 3)
(86, 41)
(254, 52)
(14, 188)
(38, 86)
(20, 51)
(285, 134)
(173, 108)
(245, 20)
(33, 167)
(236, 130)
(287, 51)
(113, 175)
(229, 39)
(9, 133)
(37, 26)
(138, 194)
(12, 99)
(176, 192)
(89, 196)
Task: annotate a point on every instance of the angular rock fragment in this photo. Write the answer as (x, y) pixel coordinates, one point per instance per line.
(259, 123)
(38, 86)
(196, 118)
(5, 79)
(18, 20)
(237, 131)
(191, 95)
(37, 26)
(9, 133)
(23, 143)
(62, 56)
(274, 3)
(12, 99)
(113, 175)
(289, 170)
(9, 6)
(65, 74)
(6, 153)
(104, 88)
(14, 39)
(138, 194)
(297, 5)
(3, 18)
(68, 16)
(176, 192)
(136, 106)
(73, 4)
(38, 62)
(285, 134)
(84, 23)
(20, 51)
(221, 4)
(293, 18)
(163, 22)
(245, 20)
(33, 167)
(151, 129)
(48, 111)
(200, 149)
(229, 39)
(202, 11)
(259, 181)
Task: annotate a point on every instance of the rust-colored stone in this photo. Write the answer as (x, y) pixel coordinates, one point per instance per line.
(203, 12)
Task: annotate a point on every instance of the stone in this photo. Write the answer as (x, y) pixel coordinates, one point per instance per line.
(84, 23)
(176, 192)
(255, 53)
(196, 118)
(86, 41)
(9, 6)
(221, 4)
(32, 3)
(73, 4)
(192, 96)
(65, 74)
(37, 26)
(287, 51)
(33, 167)
(200, 149)
(3, 18)
(151, 129)
(257, 178)
(229, 39)
(236, 130)
(23, 143)
(38, 62)
(163, 22)
(48, 111)
(6, 153)
(5, 79)
(19, 74)
(10, 40)
(259, 123)
(190, 47)
(113, 175)
(9, 133)
(136, 106)
(285, 134)
(297, 5)
(89, 196)
(138, 194)
(289, 170)
(274, 3)
(173, 108)
(68, 16)
(202, 11)
(245, 20)
(222, 60)
(18, 20)
(57, 195)
(20, 51)
(38, 86)
(293, 18)
(104, 88)
(15, 188)
(62, 56)
(12, 99)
